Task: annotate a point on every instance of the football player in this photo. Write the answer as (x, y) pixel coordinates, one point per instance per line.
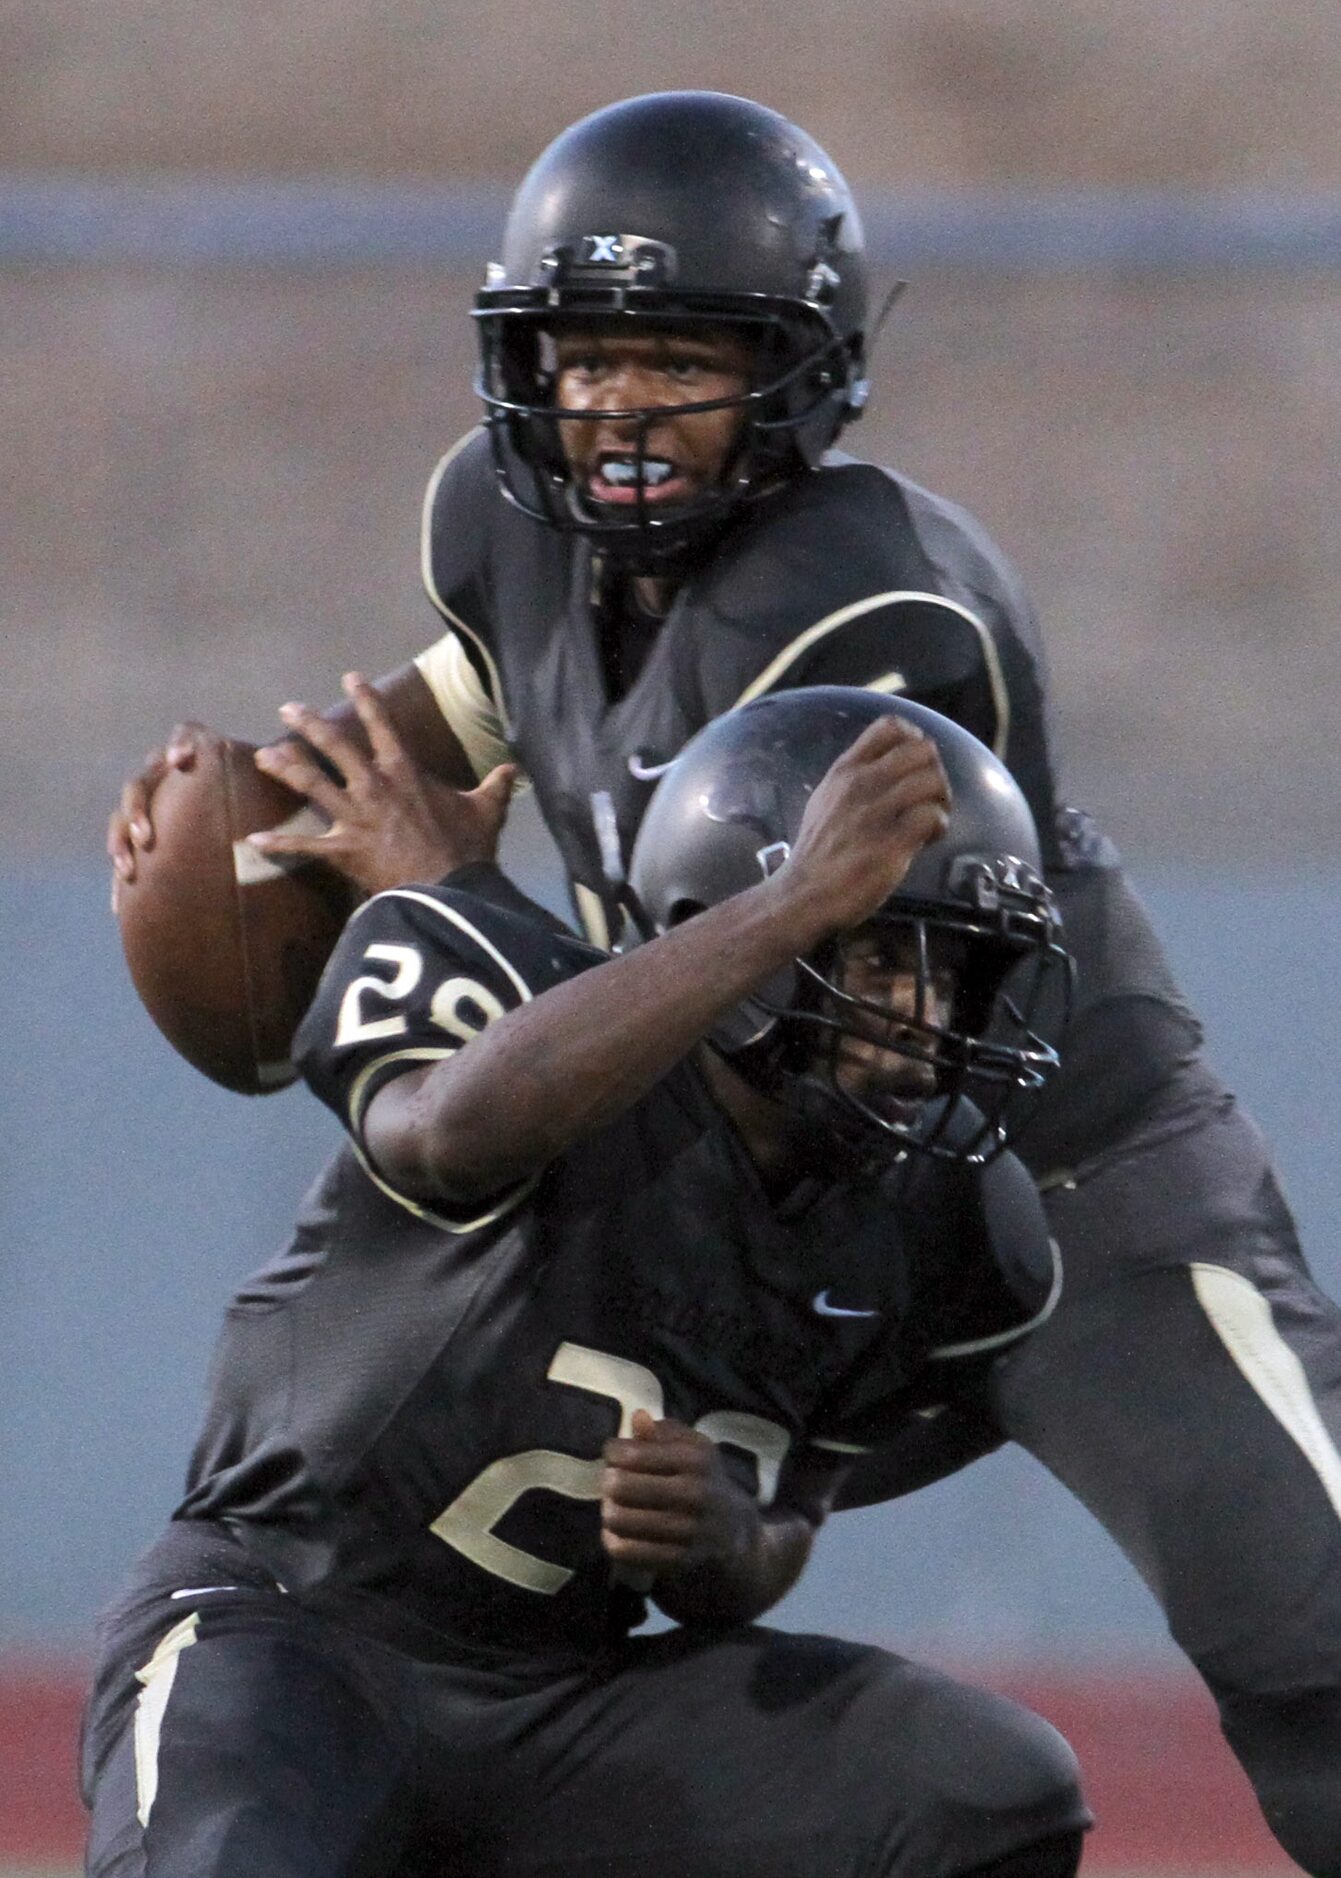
(652, 527)
(589, 1309)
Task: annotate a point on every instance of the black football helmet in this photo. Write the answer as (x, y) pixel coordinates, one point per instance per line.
(683, 208)
(724, 817)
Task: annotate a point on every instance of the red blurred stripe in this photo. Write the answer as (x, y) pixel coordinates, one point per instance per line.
(1162, 1785)
(40, 1815)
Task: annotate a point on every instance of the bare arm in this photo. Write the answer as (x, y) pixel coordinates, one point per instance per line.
(583, 1052)
(424, 734)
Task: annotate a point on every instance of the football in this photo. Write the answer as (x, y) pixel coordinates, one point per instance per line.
(225, 946)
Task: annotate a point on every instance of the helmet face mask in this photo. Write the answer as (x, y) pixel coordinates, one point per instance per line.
(746, 226)
(530, 434)
(967, 1043)
(977, 1042)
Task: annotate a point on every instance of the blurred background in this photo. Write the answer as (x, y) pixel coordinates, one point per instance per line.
(237, 249)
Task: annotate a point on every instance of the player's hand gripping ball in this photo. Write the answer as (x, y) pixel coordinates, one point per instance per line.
(225, 945)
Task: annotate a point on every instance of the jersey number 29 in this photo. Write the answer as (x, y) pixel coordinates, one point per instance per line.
(468, 1523)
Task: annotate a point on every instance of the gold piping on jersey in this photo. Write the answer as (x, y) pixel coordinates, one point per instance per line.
(430, 585)
(157, 1678)
(591, 911)
(1241, 1317)
(450, 914)
(426, 1053)
(974, 1346)
(891, 681)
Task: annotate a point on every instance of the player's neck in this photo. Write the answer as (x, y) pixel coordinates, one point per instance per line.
(628, 613)
(770, 1132)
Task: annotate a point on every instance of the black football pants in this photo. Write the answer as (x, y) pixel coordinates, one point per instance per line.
(261, 1741)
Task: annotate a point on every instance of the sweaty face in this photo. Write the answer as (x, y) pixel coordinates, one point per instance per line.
(671, 458)
(889, 1065)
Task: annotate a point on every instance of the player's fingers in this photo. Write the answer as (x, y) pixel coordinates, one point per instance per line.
(317, 846)
(883, 791)
(340, 751)
(120, 847)
(690, 1454)
(675, 1496)
(649, 1528)
(882, 740)
(888, 752)
(495, 793)
(667, 1429)
(926, 783)
(926, 822)
(299, 770)
(387, 749)
(911, 763)
(135, 795)
(654, 1457)
(668, 1493)
(880, 734)
(651, 1556)
(183, 744)
(131, 825)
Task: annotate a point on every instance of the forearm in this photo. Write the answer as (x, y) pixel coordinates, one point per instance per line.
(575, 1058)
(721, 1592)
(569, 1061)
(424, 733)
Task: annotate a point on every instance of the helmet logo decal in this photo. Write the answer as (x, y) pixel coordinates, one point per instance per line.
(602, 250)
(634, 260)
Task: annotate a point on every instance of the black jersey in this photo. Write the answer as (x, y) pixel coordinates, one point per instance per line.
(849, 575)
(407, 1408)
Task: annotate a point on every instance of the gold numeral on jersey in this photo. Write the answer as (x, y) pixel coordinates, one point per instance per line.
(352, 1026)
(460, 1006)
(468, 1522)
(467, 1525)
(463, 1008)
(756, 1436)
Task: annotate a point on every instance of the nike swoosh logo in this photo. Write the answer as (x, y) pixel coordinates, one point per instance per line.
(820, 1303)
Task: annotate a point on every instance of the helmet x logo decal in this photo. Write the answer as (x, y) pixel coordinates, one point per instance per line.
(603, 250)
